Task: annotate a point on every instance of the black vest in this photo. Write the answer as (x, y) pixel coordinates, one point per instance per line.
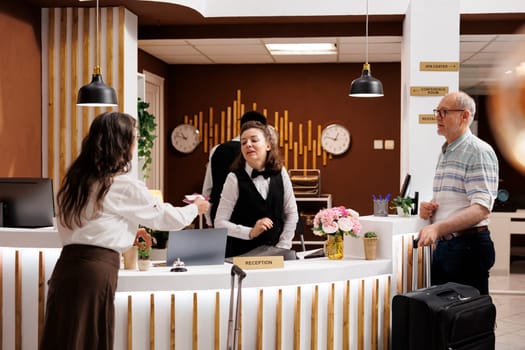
(251, 207)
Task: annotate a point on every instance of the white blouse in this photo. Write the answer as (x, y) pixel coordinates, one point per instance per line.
(127, 204)
(230, 194)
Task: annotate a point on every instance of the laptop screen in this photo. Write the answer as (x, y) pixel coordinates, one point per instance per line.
(197, 247)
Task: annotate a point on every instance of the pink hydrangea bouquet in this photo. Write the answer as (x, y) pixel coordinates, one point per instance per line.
(337, 221)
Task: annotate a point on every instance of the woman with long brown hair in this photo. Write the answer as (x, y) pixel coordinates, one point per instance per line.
(100, 207)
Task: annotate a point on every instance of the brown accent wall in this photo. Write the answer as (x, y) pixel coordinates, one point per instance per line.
(308, 91)
(20, 91)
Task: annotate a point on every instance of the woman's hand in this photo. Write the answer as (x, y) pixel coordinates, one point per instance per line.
(261, 226)
(202, 205)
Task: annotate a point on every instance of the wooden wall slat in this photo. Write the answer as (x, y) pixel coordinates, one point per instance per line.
(86, 69)
(297, 321)
(62, 108)
(361, 316)
(152, 321)
(41, 293)
(172, 322)
(217, 322)
(330, 317)
(121, 45)
(195, 319)
(130, 323)
(279, 320)
(51, 96)
(260, 317)
(314, 320)
(346, 317)
(18, 301)
(74, 83)
(386, 315)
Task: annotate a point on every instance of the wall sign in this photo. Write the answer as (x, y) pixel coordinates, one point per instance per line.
(439, 66)
(427, 119)
(428, 90)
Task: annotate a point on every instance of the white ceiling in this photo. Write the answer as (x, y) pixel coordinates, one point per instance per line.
(478, 53)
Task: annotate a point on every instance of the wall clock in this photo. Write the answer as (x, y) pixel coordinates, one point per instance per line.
(335, 139)
(185, 138)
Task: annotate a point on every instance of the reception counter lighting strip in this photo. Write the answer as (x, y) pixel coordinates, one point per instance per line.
(315, 317)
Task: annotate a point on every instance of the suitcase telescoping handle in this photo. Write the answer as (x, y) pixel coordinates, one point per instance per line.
(233, 333)
(426, 264)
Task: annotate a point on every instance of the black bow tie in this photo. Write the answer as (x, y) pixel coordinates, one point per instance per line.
(264, 173)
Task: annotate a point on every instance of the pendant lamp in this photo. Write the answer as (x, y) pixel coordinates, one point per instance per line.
(366, 85)
(96, 93)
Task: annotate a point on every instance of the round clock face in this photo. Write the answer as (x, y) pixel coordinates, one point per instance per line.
(185, 138)
(335, 139)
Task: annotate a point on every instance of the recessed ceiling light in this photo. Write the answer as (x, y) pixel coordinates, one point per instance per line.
(302, 49)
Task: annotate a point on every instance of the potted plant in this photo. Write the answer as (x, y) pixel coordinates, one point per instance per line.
(370, 245)
(143, 242)
(147, 135)
(334, 223)
(403, 205)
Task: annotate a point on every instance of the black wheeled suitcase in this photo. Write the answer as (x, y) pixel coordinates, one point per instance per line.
(446, 316)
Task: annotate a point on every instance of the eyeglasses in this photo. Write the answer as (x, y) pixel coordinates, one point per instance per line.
(443, 112)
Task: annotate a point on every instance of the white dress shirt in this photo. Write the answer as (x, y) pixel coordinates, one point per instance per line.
(127, 204)
(230, 194)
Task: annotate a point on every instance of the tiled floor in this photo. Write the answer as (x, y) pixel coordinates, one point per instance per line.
(508, 294)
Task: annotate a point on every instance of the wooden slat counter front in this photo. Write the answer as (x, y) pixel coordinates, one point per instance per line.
(309, 304)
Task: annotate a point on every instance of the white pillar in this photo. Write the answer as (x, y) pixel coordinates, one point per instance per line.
(430, 34)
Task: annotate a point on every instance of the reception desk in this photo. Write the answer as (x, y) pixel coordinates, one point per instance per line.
(315, 303)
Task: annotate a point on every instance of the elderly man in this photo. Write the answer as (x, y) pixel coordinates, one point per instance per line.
(464, 189)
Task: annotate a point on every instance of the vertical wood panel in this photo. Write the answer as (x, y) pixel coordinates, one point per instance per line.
(152, 321)
(130, 323)
(195, 329)
(41, 292)
(51, 96)
(74, 83)
(18, 301)
(217, 322)
(63, 114)
(361, 316)
(374, 314)
(279, 320)
(330, 315)
(121, 45)
(85, 66)
(297, 321)
(386, 315)
(172, 322)
(315, 315)
(260, 317)
(346, 317)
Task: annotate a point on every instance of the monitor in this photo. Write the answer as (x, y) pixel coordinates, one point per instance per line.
(197, 246)
(26, 202)
(405, 188)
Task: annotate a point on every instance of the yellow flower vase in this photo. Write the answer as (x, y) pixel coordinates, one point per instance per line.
(335, 247)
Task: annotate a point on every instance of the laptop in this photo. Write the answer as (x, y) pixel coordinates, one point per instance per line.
(197, 247)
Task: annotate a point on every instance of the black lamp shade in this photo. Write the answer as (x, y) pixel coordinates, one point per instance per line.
(366, 85)
(96, 94)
